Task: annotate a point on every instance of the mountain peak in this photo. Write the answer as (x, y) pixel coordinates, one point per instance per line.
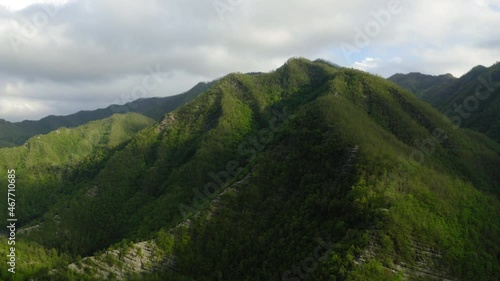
(306, 163)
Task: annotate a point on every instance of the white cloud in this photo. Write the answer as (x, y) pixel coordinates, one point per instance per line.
(367, 64)
(396, 60)
(383, 67)
(16, 5)
(88, 52)
(21, 109)
(491, 4)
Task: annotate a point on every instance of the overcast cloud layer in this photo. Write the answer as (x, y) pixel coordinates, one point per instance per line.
(60, 56)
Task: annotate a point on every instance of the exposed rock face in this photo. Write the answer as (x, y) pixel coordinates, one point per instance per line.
(92, 192)
(144, 257)
(426, 266)
(351, 160)
(28, 230)
(119, 264)
(166, 122)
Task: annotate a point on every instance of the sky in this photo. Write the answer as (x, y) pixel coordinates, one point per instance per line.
(61, 56)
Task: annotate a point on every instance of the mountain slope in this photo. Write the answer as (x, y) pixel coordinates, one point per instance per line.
(309, 171)
(472, 101)
(432, 89)
(14, 134)
(476, 104)
(45, 159)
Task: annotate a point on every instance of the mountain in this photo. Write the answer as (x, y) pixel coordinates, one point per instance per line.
(43, 158)
(14, 134)
(471, 101)
(310, 171)
(432, 89)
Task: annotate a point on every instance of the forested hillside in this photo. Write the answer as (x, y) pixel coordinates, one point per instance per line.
(432, 89)
(471, 101)
(14, 134)
(310, 171)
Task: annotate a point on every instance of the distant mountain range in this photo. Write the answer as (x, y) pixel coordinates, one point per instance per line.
(311, 171)
(471, 101)
(14, 134)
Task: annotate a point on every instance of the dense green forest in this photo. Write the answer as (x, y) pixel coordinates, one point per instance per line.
(14, 134)
(311, 171)
(471, 101)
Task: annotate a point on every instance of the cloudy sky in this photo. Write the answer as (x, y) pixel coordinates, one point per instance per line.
(60, 56)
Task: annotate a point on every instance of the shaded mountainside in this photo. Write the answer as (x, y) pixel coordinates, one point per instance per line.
(14, 134)
(471, 101)
(310, 171)
(432, 89)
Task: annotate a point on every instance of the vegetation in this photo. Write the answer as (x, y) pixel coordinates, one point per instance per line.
(311, 171)
(15, 134)
(472, 101)
(432, 89)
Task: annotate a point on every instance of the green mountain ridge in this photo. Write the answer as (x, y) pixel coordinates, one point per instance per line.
(310, 171)
(45, 159)
(432, 89)
(14, 134)
(471, 101)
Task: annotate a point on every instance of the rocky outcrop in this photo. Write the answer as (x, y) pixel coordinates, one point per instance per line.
(166, 122)
(351, 160)
(427, 261)
(119, 264)
(29, 229)
(143, 257)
